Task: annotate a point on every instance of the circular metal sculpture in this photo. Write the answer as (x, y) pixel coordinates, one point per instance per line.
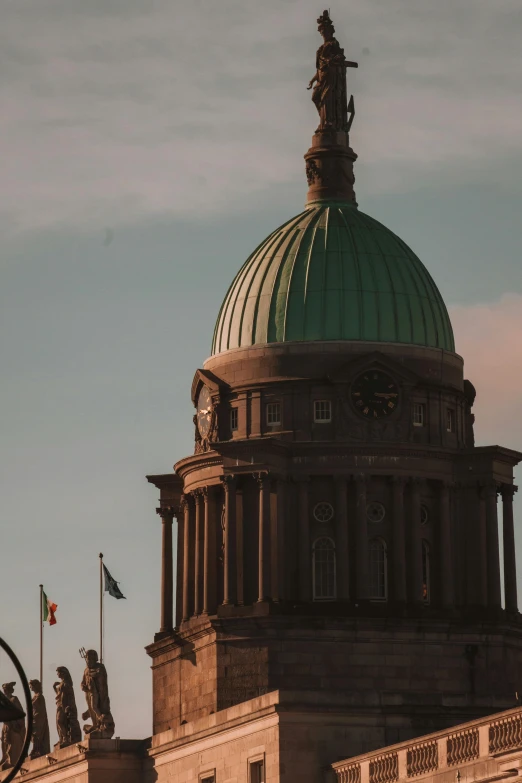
(8, 712)
(375, 512)
(323, 512)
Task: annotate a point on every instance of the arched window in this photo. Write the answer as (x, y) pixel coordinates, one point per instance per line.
(426, 586)
(323, 557)
(378, 569)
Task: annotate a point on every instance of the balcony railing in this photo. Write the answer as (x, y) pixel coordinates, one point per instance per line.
(444, 750)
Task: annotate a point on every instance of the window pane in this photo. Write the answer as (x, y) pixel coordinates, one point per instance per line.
(257, 772)
(378, 565)
(425, 572)
(322, 410)
(273, 413)
(419, 414)
(324, 569)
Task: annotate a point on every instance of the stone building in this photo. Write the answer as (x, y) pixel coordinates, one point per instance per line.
(338, 576)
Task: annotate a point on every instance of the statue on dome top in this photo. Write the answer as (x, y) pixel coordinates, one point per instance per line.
(329, 92)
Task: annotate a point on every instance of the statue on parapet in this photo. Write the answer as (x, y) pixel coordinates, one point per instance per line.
(329, 92)
(94, 685)
(13, 732)
(40, 736)
(67, 724)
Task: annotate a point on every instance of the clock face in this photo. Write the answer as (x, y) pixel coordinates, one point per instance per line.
(204, 413)
(375, 394)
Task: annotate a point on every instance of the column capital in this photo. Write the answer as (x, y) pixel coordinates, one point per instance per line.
(416, 481)
(359, 478)
(399, 481)
(488, 487)
(197, 495)
(228, 481)
(300, 478)
(167, 513)
(261, 477)
(508, 491)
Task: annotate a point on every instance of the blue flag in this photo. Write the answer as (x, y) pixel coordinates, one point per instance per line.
(111, 585)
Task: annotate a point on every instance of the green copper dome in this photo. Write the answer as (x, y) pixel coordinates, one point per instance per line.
(332, 273)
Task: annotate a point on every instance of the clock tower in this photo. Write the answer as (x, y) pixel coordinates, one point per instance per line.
(338, 531)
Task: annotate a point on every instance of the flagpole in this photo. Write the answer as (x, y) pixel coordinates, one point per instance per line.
(101, 607)
(41, 635)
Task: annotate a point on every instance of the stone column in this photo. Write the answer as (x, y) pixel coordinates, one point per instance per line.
(229, 558)
(277, 540)
(341, 531)
(305, 554)
(493, 555)
(263, 549)
(180, 551)
(482, 565)
(399, 540)
(510, 563)
(363, 565)
(206, 550)
(416, 539)
(198, 552)
(167, 571)
(446, 546)
(240, 547)
(186, 561)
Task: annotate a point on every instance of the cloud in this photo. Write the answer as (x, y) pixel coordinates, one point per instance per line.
(115, 111)
(489, 337)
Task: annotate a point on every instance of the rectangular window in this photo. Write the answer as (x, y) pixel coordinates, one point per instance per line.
(233, 419)
(450, 420)
(273, 414)
(208, 779)
(257, 772)
(419, 414)
(322, 411)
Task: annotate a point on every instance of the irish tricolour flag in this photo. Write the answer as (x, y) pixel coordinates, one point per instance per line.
(48, 610)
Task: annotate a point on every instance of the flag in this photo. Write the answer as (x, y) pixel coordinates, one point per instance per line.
(48, 610)
(111, 585)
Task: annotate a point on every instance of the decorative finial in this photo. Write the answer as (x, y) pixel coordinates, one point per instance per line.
(329, 162)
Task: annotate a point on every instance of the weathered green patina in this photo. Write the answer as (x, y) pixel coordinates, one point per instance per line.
(333, 273)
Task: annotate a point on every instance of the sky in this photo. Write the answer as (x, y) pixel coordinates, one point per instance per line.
(146, 147)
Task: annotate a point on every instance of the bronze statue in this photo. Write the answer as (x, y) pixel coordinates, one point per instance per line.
(40, 736)
(13, 733)
(67, 724)
(329, 93)
(94, 685)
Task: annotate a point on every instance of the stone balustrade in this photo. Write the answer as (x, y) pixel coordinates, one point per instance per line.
(437, 753)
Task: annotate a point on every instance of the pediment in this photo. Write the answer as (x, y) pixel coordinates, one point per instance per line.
(375, 360)
(208, 379)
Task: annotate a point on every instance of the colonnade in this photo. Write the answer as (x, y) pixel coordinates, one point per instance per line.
(200, 565)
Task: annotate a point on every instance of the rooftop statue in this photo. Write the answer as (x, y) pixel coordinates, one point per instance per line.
(329, 92)
(13, 733)
(94, 685)
(40, 737)
(67, 724)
